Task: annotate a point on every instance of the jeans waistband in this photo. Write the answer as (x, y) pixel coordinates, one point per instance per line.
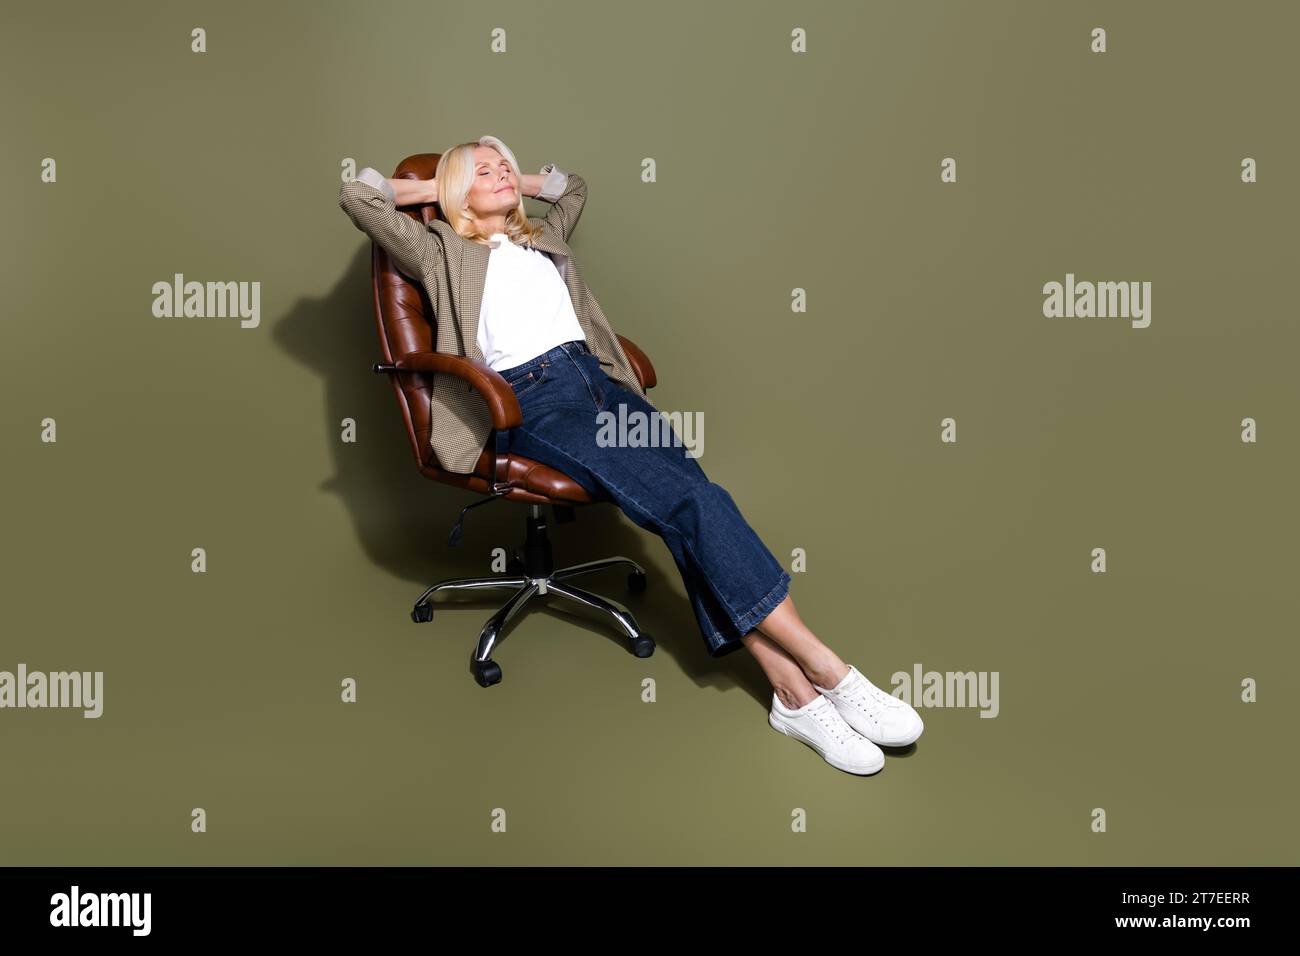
(572, 346)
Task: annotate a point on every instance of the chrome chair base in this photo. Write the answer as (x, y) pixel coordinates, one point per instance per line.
(530, 577)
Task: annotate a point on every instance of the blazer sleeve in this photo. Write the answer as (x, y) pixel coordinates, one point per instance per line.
(567, 192)
(368, 201)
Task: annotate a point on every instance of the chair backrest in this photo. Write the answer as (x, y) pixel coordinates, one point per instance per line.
(403, 315)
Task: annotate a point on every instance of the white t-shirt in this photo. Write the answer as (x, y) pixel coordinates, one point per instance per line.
(526, 306)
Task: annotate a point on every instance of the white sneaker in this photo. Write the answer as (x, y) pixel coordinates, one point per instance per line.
(876, 714)
(819, 725)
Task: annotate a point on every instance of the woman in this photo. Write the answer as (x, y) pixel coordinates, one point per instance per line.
(529, 333)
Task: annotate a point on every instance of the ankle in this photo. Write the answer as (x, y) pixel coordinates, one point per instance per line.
(792, 699)
(828, 673)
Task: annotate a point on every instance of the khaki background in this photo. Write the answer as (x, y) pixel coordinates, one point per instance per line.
(775, 171)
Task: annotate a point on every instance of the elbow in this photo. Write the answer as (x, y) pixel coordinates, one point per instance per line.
(348, 197)
(369, 188)
(359, 203)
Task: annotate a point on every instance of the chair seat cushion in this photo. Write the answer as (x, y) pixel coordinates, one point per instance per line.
(535, 482)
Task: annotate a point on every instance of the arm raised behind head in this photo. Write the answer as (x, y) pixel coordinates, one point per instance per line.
(369, 201)
(567, 193)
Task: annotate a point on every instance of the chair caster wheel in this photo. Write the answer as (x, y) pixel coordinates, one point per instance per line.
(487, 673)
(422, 613)
(636, 581)
(515, 565)
(643, 646)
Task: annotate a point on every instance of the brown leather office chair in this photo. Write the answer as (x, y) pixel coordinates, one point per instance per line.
(406, 341)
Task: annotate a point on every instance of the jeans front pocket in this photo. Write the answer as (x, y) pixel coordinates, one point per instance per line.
(523, 382)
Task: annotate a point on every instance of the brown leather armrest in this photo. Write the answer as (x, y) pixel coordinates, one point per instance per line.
(640, 362)
(501, 399)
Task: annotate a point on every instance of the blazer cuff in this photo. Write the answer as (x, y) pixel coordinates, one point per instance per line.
(373, 177)
(556, 180)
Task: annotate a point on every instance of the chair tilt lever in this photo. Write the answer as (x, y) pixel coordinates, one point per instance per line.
(458, 529)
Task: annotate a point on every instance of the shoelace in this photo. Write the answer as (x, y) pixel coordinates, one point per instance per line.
(827, 717)
(873, 700)
(868, 701)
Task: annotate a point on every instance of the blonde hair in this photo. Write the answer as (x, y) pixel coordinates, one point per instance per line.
(455, 176)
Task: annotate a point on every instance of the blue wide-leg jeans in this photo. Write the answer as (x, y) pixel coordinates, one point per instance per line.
(732, 579)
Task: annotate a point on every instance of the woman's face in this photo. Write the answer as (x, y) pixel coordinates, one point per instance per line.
(495, 188)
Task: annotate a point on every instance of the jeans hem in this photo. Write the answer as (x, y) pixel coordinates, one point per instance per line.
(721, 646)
(763, 608)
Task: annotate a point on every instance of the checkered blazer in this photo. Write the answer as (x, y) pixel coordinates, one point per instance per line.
(453, 271)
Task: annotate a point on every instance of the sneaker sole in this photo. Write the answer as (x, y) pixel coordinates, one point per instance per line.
(893, 743)
(859, 769)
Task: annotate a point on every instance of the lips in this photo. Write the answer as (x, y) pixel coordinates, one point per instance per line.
(504, 188)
